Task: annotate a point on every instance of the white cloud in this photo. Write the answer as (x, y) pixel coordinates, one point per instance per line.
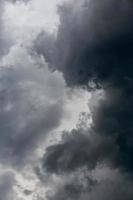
(26, 21)
(33, 101)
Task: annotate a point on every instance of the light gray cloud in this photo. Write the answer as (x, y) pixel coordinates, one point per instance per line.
(5, 40)
(31, 103)
(7, 181)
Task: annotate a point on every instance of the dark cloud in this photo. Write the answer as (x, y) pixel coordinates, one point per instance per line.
(94, 46)
(81, 185)
(107, 189)
(73, 187)
(114, 118)
(94, 43)
(77, 150)
(27, 192)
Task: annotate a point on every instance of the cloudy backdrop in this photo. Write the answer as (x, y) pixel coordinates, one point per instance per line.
(66, 100)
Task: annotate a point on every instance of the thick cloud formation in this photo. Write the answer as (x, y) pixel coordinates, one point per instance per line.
(85, 188)
(30, 104)
(31, 99)
(95, 45)
(78, 149)
(94, 41)
(7, 181)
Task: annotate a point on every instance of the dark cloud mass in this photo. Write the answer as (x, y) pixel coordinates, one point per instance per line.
(95, 44)
(95, 41)
(116, 189)
(93, 49)
(77, 150)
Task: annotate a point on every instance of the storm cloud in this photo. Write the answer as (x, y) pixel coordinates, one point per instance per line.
(112, 188)
(94, 48)
(94, 41)
(78, 149)
(91, 46)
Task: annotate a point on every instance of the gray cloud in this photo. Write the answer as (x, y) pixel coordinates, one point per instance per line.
(5, 40)
(7, 181)
(82, 185)
(78, 149)
(73, 186)
(92, 39)
(30, 104)
(45, 44)
(94, 45)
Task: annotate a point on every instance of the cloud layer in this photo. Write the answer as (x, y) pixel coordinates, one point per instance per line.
(90, 44)
(94, 48)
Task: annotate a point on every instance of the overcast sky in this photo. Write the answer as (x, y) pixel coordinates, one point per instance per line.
(36, 106)
(66, 100)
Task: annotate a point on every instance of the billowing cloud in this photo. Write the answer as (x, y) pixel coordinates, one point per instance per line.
(7, 181)
(92, 38)
(94, 41)
(90, 43)
(76, 150)
(94, 47)
(114, 188)
(31, 100)
(34, 100)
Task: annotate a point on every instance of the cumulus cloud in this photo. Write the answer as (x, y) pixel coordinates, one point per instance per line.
(30, 98)
(7, 181)
(112, 189)
(94, 45)
(76, 150)
(94, 48)
(92, 39)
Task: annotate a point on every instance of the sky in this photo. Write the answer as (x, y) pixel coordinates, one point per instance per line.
(66, 100)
